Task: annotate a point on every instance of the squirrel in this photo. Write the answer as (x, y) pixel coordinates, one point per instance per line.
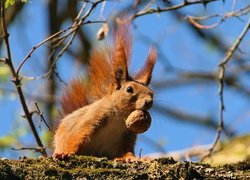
(95, 110)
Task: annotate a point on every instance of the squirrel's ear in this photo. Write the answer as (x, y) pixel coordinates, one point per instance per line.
(119, 77)
(121, 54)
(145, 73)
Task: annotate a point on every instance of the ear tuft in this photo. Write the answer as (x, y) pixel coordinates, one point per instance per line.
(145, 73)
(119, 74)
(121, 53)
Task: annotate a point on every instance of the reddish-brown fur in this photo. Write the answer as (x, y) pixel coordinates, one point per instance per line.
(74, 97)
(95, 110)
(144, 75)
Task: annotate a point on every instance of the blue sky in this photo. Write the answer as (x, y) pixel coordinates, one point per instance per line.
(180, 46)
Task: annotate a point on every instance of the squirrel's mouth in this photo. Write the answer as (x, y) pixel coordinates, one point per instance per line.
(146, 105)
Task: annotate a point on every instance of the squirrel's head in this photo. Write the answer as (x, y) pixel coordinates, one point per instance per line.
(130, 93)
(133, 95)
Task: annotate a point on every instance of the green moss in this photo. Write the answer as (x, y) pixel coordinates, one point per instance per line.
(101, 168)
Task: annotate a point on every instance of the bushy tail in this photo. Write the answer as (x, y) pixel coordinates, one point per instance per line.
(83, 91)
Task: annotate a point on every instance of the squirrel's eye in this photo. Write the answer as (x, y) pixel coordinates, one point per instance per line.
(129, 89)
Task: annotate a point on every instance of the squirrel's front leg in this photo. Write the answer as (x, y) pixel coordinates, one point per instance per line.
(69, 139)
(137, 122)
(127, 152)
(128, 157)
(68, 144)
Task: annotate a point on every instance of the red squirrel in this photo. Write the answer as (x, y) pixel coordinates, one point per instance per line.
(95, 110)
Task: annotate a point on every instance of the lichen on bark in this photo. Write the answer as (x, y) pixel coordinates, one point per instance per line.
(100, 168)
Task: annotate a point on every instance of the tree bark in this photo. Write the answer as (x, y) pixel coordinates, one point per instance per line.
(100, 168)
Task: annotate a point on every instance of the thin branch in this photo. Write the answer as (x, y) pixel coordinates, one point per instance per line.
(3, 60)
(234, 5)
(56, 73)
(44, 99)
(222, 68)
(42, 117)
(102, 10)
(37, 149)
(235, 45)
(140, 152)
(212, 38)
(200, 26)
(243, 11)
(190, 118)
(185, 154)
(16, 80)
(193, 20)
(38, 45)
(184, 78)
(78, 22)
(45, 41)
(171, 8)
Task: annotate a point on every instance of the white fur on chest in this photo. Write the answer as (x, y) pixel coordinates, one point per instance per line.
(107, 141)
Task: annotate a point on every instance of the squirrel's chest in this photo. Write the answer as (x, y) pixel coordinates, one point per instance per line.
(108, 139)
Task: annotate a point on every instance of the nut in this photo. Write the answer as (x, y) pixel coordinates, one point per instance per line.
(138, 121)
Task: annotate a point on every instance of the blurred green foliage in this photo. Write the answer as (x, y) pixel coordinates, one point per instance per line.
(4, 73)
(12, 2)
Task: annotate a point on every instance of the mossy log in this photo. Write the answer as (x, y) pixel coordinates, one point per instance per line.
(83, 167)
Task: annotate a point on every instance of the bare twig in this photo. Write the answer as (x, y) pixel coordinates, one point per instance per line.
(200, 26)
(16, 80)
(78, 22)
(193, 20)
(213, 38)
(56, 73)
(42, 117)
(72, 30)
(45, 98)
(185, 154)
(184, 116)
(243, 11)
(222, 68)
(13, 13)
(234, 5)
(102, 10)
(37, 149)
(45, 41)
(235, 45)
(3, 60)
(140, 152)
(38, 45)
(171, 8)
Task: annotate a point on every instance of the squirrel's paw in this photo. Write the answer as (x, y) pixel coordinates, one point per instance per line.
(145, 159)
(62, 155)
(129, 157)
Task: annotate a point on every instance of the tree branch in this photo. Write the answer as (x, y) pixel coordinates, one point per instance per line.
(222, 68)
(171, 8)
(42, 117)
(16, 79)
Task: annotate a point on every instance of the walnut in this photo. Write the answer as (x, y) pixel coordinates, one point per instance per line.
(138, 121)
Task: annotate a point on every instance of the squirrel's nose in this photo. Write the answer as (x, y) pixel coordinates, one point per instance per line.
(148, 103)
